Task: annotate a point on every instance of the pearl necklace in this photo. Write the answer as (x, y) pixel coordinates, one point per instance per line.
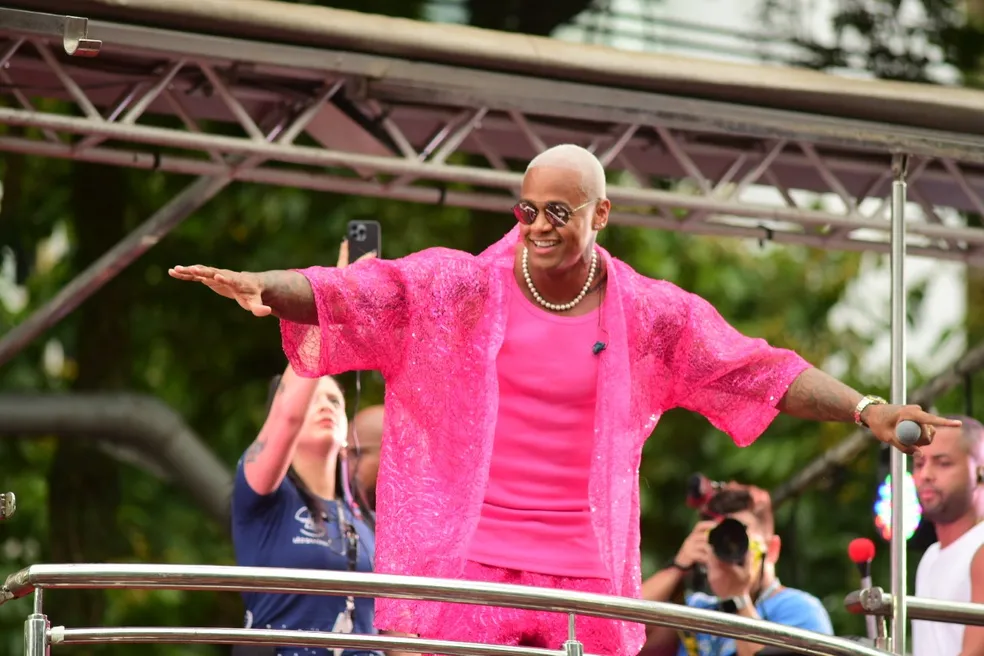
(564, 306)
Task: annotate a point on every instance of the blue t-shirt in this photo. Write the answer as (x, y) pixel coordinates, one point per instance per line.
(276, 530)
(789, 607)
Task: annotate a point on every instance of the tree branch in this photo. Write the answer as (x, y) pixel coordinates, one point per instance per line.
(142, 423)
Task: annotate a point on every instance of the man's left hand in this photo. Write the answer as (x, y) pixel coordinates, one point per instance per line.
(727, 580)
(882, 420)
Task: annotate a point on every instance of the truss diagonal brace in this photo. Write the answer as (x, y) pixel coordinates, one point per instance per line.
(72, 30)
(115, 260)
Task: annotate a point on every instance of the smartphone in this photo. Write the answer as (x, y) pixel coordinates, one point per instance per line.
(363, 237)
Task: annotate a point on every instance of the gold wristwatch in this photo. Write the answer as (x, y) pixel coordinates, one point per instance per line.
(864, 403)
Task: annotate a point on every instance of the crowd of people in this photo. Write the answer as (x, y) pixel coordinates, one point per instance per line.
(521, 384)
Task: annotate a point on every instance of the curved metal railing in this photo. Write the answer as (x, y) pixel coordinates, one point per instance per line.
(39, 634)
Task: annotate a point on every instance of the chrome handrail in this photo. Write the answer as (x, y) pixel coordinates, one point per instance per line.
(875, 601)
(279, 580)
(59, 635)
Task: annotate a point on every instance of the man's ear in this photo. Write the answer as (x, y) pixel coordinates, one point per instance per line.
(773, 549)
(600, 218)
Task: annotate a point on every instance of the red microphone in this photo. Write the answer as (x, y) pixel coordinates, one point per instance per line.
(862, 552)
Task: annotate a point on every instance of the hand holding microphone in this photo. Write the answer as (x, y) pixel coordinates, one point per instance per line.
(908, 432)
(905, 427)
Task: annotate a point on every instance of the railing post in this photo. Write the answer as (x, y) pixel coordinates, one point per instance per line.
(572, 647)
(882, 641)
(36, 629)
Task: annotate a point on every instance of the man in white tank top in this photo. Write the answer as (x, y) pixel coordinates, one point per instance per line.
(949, 474)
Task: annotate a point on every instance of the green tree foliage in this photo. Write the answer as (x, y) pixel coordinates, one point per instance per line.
(535, 18)
(211, 362)
(891, 39)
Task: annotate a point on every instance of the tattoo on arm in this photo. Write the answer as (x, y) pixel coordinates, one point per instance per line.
(253, 452)
(820, 397)
(289, 295)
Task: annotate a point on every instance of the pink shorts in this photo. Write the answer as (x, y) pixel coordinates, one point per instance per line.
(525, 628)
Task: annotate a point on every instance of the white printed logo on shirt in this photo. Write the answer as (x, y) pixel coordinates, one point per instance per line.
(310, 532)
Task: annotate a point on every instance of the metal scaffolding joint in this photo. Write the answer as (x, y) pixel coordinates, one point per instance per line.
(72, 30)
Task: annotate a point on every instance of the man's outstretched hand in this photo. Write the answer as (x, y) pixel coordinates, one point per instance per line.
(883, 420)
(248, 289)
(242, 287)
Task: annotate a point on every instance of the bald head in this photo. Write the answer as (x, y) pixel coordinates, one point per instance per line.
(368, 424)
(578, 160)
(364, 464)
(972, 436)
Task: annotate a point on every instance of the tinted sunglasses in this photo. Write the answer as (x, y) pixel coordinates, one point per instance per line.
(558, 214)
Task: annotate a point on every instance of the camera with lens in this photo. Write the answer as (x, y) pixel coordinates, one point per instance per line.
(359, 232)
(729, 539)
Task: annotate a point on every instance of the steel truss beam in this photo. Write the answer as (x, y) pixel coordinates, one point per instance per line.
(186, 103)
(229, 109)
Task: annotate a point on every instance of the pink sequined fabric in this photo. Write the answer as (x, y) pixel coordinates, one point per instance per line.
(527, 628)
(433, 322)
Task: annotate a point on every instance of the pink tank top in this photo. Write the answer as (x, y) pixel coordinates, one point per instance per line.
(536, 515)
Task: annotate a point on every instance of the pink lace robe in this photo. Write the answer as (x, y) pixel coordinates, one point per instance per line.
(432, 324)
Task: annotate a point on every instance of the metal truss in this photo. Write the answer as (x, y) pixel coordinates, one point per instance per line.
(230, 109)
(371, 126)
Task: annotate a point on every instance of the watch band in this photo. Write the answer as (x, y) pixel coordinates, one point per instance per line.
(734, 604)
(864, 403)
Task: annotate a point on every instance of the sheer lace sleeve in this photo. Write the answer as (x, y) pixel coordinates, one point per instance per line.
(363, 312)
(733, 380)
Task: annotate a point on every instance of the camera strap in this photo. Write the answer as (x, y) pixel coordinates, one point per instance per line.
(689, 642)
(350, 538)
(345, 622)
(767, 594)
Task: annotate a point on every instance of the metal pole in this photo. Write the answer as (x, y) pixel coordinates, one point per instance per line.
(36, 629)
(109, 265)
(572, 647)
(899, 463)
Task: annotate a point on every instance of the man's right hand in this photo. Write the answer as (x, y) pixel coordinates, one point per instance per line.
(695, 550)
(247, 289)
(243, 287)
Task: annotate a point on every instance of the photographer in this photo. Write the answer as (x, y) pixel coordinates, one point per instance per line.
(735, 544)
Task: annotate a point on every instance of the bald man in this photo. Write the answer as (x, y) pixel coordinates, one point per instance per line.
(521, 386)
(366, 431)
(949, 475)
